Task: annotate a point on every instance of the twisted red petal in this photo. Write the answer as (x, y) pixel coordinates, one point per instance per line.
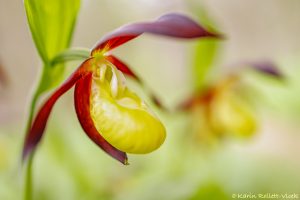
(37, 129)
(82, 106)
(173, 25)
(120, 65)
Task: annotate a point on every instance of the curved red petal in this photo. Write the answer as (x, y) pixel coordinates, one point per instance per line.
(37, 129)
(120, 65)
(173, 25)
(82, 106)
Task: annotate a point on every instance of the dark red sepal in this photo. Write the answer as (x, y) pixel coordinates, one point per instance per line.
(3, 77)
(157, 102)
(189, 103)
(120, 65)
(38, 126)
(82, 106)
(173, 25)
(266, 67)
(198, 98)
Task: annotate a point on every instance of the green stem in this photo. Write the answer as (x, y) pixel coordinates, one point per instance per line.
(28, 176)
(31, 110)
(28, 179)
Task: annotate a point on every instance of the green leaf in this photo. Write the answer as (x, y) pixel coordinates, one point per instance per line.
(206, 50)
(51, 24)
(51, 77)
(204, 56)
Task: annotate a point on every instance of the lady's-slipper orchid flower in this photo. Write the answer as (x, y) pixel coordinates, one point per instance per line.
(222, 109)
(113, 116)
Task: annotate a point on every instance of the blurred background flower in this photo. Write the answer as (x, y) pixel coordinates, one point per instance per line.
(68, 167)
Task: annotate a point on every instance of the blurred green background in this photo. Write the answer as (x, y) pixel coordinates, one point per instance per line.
(69, 166)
